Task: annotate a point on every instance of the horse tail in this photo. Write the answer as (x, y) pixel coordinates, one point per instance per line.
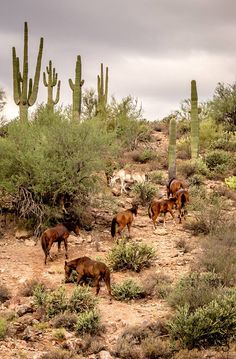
(44, 245)
(150, 212)
(113, 227)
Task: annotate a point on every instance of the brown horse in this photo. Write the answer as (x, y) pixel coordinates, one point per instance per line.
(173, 186)
(124, 218)
(182, 198)
(161, 206)
(88, 268)
(58, 234)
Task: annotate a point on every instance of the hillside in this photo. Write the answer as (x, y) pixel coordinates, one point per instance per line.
(177, 251)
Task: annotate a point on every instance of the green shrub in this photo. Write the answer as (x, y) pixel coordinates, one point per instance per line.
(58, 354)
(3, 328)
(227, 143)
(4, 293)
(209, 132)
(145, 156)
(196, 180)
(127, 290)
(59, 333)
(231, 182)
(218, 160)
(56, 302)
(213, 324)
(29, 286)
(190, 168)
(40, 295)
(88, 322)
(81, 300)
(195, 290)
(183, 148)
(157, 177)
(145, 192)
(131, 256)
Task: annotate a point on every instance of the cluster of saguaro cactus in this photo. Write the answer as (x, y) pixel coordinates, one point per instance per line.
(102, 88)
(50, 83)
(76, 88)
(25, 92)
(194, 121)
(172, 149)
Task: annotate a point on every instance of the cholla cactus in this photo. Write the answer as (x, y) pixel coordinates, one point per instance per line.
(25, 92)
(76, 88)
(172, 149)
(50, 83)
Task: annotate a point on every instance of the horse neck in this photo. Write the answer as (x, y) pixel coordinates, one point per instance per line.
(72, 264)
(133, 210)
(170, 181)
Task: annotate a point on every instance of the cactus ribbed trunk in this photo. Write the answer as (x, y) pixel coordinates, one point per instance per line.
(194, 121)
(76, 88)
(172, 149)
(102, 89)
(52, 81)
(25, 92)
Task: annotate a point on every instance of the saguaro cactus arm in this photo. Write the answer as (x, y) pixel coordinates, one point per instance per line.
(194, 121)
(35, 88)
(172, 149)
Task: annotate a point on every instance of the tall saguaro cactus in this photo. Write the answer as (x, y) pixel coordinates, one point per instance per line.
(25, 92)
(172, 149)
(76, 88)
(52, 81)
(102, 88)
(194, 121)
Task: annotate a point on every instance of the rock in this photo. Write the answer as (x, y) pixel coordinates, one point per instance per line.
(23, 234)
(23, 309)
(89, 239)
(75, 240)
(116, 191)
(161, 231)
(29, 243)
(104, 355)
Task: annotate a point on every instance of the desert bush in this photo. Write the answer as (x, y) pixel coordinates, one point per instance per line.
(58, 354)
(3, 328)
(65, 320)
(231, 182)
(4, 293)
(131, 256)
(127, 290)
(209, 132)
(195, 290)
(196, 180)
(189, 168)
(40, 295)
(56, 302)
(183, 127)
(218, 160)
(157, 177)
(29, 286)
(227, 143)
(183, 148)
(91, 344)
(144, 342)
(145, 156)
(212, 324)
(88, 322)
(59, 333)
(81, 300)
(145, 192)
(183, 245)
(209, 217)
(188, 354)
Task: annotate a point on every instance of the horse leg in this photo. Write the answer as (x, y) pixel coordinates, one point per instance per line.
(172, 214)
(48, 250)
(79, 277)
(154, 218)
(59, 245)
(96, 284)
(66, 248)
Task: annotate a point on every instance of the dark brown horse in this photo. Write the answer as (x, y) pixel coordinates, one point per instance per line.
(182, 198)
(124, 218)
(161, 206)
(173, 186)
(88, 268)
(58, 234)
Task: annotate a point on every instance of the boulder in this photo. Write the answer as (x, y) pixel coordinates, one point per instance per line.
(23, 234)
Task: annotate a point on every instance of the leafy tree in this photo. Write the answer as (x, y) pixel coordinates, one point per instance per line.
(223, 105)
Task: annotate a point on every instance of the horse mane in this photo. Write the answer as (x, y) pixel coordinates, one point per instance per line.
(170, 181)
(134, 209)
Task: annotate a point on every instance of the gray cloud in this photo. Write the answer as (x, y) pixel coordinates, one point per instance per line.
(153, 47)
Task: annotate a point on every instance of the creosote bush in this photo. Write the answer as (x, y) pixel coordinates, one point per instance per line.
(218, 160)
(65, 320)
(3, 328)
(195, 290)
(4, 293)
(29, 286)
(131, 256)
(212, 324)
(81, 300)
(127, 290)
(58, 354)
(145, 156)
(231, 182)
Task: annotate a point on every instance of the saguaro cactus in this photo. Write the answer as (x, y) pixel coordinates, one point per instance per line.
(24, 92)
(102, 88)
(172, 149)
(52, 81)
(76, 88)
(194, 121)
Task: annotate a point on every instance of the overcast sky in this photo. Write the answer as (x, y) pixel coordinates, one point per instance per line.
(153, 48)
